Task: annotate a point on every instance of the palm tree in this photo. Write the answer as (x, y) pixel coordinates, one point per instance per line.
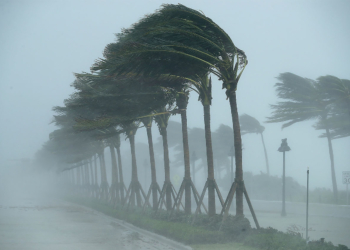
(304, 101)
(336, 90)
(154, 187)
(203, 88)
(135, 189)
(162, 122)
(74, 149)
(251, 125)
(182, 102)
(119, 101)
(114, 188)
(122, 186)
(177, 37)
(222, 141)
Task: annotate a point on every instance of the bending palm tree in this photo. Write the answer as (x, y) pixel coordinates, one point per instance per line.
(154, 187)
(203, 88)
(251, 125)
(177, 37)
(167, 190)
(304, 101)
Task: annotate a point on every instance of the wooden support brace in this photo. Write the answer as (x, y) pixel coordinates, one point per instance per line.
(196, 197)
(219, 194)
(200, 202)
(251, 207)
(230, 194)
(178, 197)
(228, 202)
(147, 197)
(144, 195)
(161, 198)
(160, 193)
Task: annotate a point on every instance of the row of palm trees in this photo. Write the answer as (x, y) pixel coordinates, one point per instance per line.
(145, 76)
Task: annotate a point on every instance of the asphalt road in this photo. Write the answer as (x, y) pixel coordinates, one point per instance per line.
(40, 225)
(325, 221)
(32, 219)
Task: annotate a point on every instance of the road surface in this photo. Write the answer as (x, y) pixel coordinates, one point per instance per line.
(32, 219)
(41, 225)
(325, 221)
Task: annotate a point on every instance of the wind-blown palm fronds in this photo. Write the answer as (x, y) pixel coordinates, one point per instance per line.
(177, 40)
(304, 101)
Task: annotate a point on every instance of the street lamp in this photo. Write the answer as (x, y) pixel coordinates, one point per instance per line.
(231, 153)
(194, 158)
(283, 148)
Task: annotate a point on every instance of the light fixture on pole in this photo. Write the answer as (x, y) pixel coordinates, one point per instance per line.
(283, 148)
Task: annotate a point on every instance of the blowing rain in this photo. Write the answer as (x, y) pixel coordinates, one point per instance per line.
(165, 125)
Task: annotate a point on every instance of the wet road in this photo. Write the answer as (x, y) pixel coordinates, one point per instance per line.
(325, 221)
(31, 219)
(39, 225)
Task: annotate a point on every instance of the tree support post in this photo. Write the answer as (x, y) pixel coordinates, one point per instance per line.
(208, 183)
(229, 199)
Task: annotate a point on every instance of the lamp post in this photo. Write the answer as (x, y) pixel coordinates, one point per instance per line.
(283, 148)
(307, 206)
(231, 153)
(194, 158)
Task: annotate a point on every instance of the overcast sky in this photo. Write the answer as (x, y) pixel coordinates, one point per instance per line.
(43, 42)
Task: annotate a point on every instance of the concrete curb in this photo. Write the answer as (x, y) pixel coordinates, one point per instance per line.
(141, 231)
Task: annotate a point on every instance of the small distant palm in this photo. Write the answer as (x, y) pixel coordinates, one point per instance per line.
(251, 125)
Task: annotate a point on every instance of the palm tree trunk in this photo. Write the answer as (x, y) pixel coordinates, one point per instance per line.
(134, 177)
(78, 176)
(91, 172)
(96, 182)
(331, 156)
(182, 102)
(121, 178)
(166, 167)
(104, 183)
(153, 168)
(210, 161)
(114, 188)
(266, 159)
(95, 165)
(238, 152)
(87, 183)
(72, 177)
(87, 177)
(103, 168)
(91, 186)
(83, 181)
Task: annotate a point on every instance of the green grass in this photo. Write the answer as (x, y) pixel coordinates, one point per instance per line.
(178, 231)
(230, 246)
(205, 237)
